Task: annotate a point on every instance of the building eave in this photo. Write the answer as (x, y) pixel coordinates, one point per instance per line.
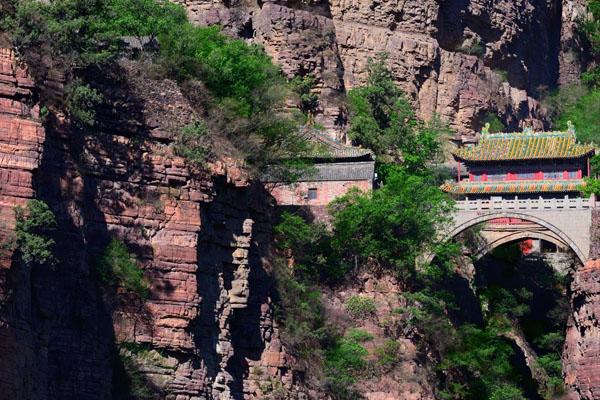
(514, 187)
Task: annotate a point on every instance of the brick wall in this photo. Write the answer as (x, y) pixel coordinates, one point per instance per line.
(326, 191)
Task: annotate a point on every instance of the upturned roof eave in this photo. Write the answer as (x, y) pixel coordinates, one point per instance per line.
(458, 157)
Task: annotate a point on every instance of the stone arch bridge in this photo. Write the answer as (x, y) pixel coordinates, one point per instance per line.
(565, 222)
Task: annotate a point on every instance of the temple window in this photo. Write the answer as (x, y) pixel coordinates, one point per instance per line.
(312, 193)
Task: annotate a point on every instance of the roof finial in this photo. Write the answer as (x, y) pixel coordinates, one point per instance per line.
(486, 129)
(571, 127)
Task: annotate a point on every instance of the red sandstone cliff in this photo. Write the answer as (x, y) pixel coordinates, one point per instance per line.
(201, 237)
(459, 59)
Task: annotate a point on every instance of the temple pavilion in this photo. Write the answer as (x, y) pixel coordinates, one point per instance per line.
(524, 164)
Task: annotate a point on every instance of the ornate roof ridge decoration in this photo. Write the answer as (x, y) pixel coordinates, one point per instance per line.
(507, 187)
(525, 145)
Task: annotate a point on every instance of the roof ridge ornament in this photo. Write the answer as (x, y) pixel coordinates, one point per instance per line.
(486, 129)
(528, 130)
(570, 127)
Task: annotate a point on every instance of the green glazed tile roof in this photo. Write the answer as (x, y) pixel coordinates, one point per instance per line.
(527, 145)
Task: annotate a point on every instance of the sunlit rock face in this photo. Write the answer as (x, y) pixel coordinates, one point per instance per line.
(459, 59)
(582, 348)
(201, 237)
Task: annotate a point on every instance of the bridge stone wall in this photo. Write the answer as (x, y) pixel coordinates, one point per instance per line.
(568, 219)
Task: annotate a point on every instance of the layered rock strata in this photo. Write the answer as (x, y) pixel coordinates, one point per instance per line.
(207, 330)
(461, 60)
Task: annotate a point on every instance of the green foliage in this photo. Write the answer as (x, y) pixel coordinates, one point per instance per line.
(249, 93)
(388, 354)
(310, 244)
(301, 312)
(191, 143)
(482, 358)
(144, 18)
(502, 74)
(359, 335)
(308, 101)
(592, 186)
(81, 102)
(118, 267)
(392, 226)
(34, 223)
(585, 115)
(344, 361)
(360, 307)
(495, 124)
(475, 48)
(382, 119)
(73, 32)
(506, 391)
(513, 304)
(128, 381)
(242, 76)
(580, 103)
(246, 91)
(591, 26)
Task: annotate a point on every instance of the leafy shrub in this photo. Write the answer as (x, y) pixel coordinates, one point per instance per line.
(301, 313)
(73, 33)
(506, 391)
(584, 113)
(310, 245)
(482, 358)
(388, 354)
(246, 105)
(81, 102)
(344, 361)
(360, 307)
(359, 335)
(144, 18)
(502, 74)
(34, 223)
(191, 143)
(117, 266)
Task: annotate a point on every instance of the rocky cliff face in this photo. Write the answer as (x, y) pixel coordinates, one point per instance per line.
(459, 59)
(207, 328)
(582, 347)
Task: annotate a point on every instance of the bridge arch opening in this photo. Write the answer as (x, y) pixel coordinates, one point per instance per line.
(552, 233)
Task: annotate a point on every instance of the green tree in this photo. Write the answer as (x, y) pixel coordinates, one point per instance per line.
(382, 119)
(73, 33)
(393, 225)
(119, 267)
(82, 101)
(34, 224)
(144, 18)
(481, 358)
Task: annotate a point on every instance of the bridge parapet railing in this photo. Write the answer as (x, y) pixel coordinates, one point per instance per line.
(525, 204)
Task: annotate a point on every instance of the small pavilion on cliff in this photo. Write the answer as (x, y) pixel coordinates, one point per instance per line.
(521, 165)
